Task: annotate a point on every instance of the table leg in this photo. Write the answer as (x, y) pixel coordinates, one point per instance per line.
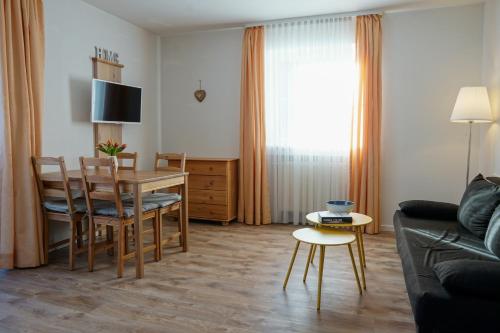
(354, 268)
(91, 245)
(361, 231)
(110, 239)
(184, 215)
(360, 255)
(45, 238)
(308, 262)
(138, 232)
(291, 264)
(314, 253)
(320, 276)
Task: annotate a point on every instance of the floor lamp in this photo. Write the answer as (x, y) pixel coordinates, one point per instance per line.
(472, 106)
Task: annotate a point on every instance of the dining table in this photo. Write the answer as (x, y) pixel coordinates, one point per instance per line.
(141, 182)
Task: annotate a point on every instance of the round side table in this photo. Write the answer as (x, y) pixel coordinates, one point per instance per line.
(359, 221)
(323, 238)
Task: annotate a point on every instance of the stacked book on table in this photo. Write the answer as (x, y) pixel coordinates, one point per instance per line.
(334, 218)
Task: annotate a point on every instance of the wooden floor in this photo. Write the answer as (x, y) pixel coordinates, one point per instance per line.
(229, 281)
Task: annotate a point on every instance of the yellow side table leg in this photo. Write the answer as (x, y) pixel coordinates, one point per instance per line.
(360, 255)
(314, 253)
(308, 262)
(354, 268)
(362, 246)
(320, 276)
(291, 264)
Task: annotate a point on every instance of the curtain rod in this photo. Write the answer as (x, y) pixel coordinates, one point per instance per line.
(300, 18)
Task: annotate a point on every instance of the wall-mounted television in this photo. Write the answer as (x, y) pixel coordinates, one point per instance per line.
(115, 103)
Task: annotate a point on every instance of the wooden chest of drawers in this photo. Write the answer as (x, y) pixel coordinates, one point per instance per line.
(213, 188)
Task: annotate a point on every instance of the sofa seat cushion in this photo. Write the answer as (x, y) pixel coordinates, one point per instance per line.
(429, 209)
(478, 203)
(470, 277)
(421, 244)
(60, 205)
(492, 238)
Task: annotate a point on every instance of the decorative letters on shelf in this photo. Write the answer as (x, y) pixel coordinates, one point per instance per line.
(106, 54)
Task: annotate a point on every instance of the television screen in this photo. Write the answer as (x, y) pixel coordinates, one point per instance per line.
(115, 103)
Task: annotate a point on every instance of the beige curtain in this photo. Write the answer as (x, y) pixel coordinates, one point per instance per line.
(364, 186)
(22, 65)
(253, 200)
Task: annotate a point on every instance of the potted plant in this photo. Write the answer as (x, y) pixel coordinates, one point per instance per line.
(111, 149)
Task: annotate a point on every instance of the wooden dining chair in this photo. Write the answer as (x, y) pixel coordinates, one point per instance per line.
(171, 201)
(125, 157)
(107, 206)
(60, 204)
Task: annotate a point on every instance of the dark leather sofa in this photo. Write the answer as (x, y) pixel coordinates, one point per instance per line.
(423, 242)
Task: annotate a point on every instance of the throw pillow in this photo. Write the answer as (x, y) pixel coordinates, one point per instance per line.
(477, 205)
(492, 239)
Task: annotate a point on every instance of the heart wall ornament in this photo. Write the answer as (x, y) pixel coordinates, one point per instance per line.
(200, 94)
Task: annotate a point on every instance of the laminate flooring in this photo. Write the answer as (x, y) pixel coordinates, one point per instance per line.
(229, 281)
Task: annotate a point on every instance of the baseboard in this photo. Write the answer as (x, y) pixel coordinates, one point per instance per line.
(387, 228)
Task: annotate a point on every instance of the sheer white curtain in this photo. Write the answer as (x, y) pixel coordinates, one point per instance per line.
(310, 82)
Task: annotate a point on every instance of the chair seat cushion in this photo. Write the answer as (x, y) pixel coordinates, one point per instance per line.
(108, 208)
(60, 205)
(161, 199)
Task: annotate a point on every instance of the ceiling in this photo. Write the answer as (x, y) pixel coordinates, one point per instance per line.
(166, 17)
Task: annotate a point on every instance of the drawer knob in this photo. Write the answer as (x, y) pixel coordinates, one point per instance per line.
(210, 168)
(211, 182)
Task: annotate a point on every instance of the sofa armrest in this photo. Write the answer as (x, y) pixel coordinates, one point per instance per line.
(429, 209)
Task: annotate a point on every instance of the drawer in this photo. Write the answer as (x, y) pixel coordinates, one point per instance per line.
(209, 212)
(207, 182)
(207, 197)
(206, 168)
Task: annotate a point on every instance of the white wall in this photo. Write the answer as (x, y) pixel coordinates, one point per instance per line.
(210, 128)
(427, 56)
(490, 133)
(72, 29)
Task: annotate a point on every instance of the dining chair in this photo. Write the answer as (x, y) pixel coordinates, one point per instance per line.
(60, 204)
(109, 207)
(125, 157)
(168, 202)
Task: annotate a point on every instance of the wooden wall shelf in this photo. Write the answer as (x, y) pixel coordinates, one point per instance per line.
(94, 59)
(109, 71)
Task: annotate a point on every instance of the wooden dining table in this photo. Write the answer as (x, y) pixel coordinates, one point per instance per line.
(140, 182)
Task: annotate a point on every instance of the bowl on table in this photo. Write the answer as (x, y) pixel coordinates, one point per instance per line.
(340, 206)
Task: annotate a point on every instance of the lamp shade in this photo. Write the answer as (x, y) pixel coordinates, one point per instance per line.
(472, 105)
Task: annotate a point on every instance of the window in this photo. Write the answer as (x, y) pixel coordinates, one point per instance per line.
(310, 82)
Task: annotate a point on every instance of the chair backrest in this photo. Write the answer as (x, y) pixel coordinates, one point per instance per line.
(100, 182)
(174, 162)
(122, 157)
(55, 186)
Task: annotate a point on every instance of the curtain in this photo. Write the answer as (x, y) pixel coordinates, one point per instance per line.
(253, 199)
(311, 84)
(22, 65)
(364, 186)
